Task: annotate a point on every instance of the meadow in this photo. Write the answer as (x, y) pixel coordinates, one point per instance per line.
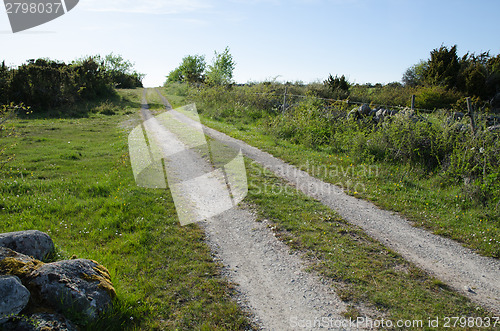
(70, 176)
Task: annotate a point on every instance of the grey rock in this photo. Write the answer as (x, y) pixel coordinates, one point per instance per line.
(32, 242)
(495, 128)
(13, 297)
(75, 285)
(17, 264)
(353, 114)
(40, 322)
(365, 110)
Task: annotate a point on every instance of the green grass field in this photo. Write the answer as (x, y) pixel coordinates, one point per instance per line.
(72, 179)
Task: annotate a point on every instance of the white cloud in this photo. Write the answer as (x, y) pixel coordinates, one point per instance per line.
(144, 6)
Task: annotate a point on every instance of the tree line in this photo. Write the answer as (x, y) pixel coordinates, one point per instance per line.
(45, 83)
(476, 75)
(444, 80)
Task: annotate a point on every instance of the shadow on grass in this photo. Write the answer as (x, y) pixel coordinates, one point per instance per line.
(108, 105)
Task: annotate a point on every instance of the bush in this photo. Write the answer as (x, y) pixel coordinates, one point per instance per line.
(304, 124)
(106, 108)
(44, 83)
(475, 161)
(436, 97)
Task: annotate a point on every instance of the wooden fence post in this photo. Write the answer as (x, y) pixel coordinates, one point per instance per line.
(413, 102)
(471, 115)
(284, 100)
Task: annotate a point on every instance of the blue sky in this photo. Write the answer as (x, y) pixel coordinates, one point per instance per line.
(366, 40)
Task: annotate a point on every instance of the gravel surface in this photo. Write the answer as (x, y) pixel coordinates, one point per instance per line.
(272, 283)
(470, 274)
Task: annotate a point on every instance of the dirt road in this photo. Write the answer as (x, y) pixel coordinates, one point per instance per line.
(272, 282)
(470, 274)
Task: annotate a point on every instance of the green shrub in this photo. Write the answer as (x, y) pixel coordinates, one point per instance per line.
(475, 161)
(435, 97)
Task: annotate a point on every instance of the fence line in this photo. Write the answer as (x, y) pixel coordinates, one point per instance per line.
(349, 102)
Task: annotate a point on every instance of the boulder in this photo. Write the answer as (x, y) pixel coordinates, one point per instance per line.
(365, 110)
(353, 114)
(32, 242)
(17, 264)
(40, 322)
(13, 297)
(79, 285)
(75, 285)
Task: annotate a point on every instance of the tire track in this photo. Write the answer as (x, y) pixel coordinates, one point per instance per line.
(474, 276)
(272, 282)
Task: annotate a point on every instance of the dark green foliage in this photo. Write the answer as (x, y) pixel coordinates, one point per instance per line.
(121, 72)
(39, 83)
(493, 78)
(4, 83)
(91, 79)
(338, 86)
(43, 83)
(472, 75)
(443, 67)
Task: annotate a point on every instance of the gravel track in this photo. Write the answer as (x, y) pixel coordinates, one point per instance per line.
(470, 274)
(272, 282)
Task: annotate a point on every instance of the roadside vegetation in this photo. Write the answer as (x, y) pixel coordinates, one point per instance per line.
(374, 281)
(45, 84)
(430, 166)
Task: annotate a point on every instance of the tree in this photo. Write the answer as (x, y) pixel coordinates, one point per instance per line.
(443, 67)
(220, 72)
(493, 79)
(473, 75)
(191, 70)
(415, 75)
(337, 83)
(338, 86)
(121, 71)
(4, 83)
(175, 76)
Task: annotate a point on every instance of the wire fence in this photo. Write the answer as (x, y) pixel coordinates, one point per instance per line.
(287, 101)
